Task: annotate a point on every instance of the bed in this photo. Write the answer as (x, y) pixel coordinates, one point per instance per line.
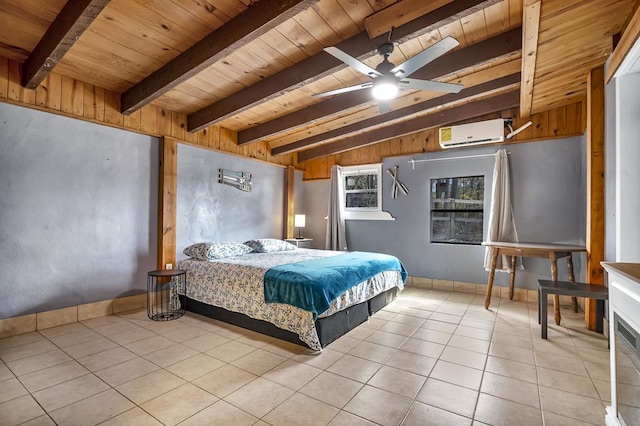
(232, 289)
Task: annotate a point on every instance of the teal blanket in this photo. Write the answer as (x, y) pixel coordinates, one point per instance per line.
(313, 284)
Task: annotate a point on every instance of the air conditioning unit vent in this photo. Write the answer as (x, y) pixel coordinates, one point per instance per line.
(490, 131)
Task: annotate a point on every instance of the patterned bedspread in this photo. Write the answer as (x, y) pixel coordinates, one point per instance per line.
(236, 284)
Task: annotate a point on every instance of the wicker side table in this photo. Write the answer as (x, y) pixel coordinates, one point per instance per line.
(163, 294)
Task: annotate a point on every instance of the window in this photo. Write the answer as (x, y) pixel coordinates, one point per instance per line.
(361, 186)
(457, 207)
(362, 192)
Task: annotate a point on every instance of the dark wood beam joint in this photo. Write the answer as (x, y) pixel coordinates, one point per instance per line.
(239, 31)
(322, 64)
(479, 53)
(74, 18)
(441, 118)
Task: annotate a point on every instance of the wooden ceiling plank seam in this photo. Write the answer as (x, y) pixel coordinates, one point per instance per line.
(323, 33)
(74, 18)
(247, 26)
(475, 27)
(335, 16)
(284, 46)
(454, 29)
(149, 23)
(210, 18)
(299, 36)
(398, 14)
(440, 118)
(627, 41)
(515, 13)
(497, 18)
(552, 29)
(563, 102)
(472, 55)
(430, 38)
(357, 14)
(530, 22)
(115, 31)
(323, 64)
(402, 113)
(41, 12)
(175, 16)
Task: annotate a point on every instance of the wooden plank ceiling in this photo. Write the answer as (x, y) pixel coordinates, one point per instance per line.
(253, 66)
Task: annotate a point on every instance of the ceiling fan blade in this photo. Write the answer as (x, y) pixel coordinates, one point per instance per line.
(344, 90)
(432, 52)
(431, 86)
(384, 106)
(352, 62)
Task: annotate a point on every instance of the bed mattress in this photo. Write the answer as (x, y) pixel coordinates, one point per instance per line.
(237, 284)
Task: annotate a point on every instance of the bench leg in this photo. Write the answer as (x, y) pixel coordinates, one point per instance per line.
(539, 304)
(543, 313)
(574, 300)
(512, 278)
(599, 315)
(492, 273)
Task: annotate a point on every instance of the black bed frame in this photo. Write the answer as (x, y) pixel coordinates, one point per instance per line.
(328, 328)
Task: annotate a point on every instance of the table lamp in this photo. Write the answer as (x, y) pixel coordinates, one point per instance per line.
(299, 222)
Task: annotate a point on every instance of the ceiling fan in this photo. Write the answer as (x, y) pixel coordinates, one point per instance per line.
(388, 78)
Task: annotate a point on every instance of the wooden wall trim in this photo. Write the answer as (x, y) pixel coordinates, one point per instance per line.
(167, 202)
(530, 27)
(289, 202)
(595, 187)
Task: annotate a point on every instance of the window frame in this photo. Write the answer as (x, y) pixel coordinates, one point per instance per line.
(363, 213)
(454, 210)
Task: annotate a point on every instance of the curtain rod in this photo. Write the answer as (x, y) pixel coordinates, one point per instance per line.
(413, 162)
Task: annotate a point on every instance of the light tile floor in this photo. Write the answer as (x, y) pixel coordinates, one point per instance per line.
(429, 358)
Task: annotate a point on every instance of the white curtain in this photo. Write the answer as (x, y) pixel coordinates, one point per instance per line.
(502, 226)
(336, 238)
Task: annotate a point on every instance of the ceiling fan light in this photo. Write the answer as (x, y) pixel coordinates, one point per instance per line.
(385, 90)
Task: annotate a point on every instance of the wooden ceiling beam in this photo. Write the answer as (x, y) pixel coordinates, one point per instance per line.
(239, 31)
(74, 18)
(376, 121)
(531, 25)
(485, 51)
(322, 64)
(626, 44)
(440, 118)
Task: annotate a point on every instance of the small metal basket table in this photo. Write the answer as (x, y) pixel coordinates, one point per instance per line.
(164, 288)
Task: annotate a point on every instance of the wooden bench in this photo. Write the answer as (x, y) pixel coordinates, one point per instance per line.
(567, 288)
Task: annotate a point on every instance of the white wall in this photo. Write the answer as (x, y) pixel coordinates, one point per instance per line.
(627, 113)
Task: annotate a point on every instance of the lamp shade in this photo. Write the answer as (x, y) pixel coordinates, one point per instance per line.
(299, 220)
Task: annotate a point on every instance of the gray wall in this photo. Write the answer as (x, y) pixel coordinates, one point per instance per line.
(549, 205)
(316, 202)
(78, 211)
(208, 211)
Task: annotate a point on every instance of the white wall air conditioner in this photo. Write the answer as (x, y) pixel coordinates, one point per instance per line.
(489, 131)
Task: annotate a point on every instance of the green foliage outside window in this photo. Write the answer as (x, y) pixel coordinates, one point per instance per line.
(457, 208)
